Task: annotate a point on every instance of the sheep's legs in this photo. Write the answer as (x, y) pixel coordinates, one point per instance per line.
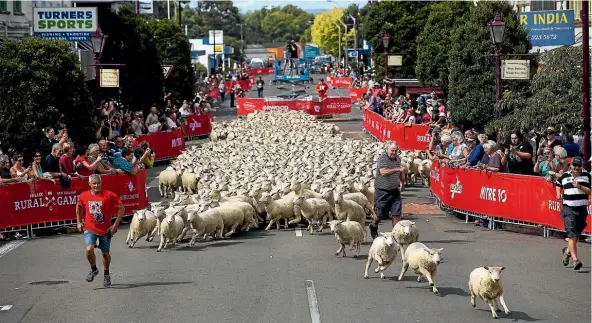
(155, 231)
(194, 237)
(501, 300)
(340, 250)
(232, 230)
(428, 275)
(163, 243)
(269, 225)
(473, 299)
(403, 270)
(286, 224)
(491, 303)
(368, 263)
(182, 235)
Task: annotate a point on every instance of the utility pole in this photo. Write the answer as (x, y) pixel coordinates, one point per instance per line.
(339, 28)
(168, 10)
(179, 10)
(586, 81)
(346, 58)
(356, 44)
(242, 42)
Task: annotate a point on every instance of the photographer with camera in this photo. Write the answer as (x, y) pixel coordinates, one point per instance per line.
(292, 51)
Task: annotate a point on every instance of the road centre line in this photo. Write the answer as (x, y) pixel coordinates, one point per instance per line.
(315, 315)
(298, 231)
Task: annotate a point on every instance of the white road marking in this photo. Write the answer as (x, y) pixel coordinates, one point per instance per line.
(315, 316)
(8, 247)
(298, 232)
(5, 307)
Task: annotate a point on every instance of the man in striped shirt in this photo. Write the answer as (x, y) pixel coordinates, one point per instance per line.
(575, 185)
(387, 194)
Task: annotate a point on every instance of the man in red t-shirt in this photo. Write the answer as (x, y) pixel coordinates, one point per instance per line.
(98, 206)
(322, 89)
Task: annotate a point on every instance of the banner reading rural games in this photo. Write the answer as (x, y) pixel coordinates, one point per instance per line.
(70, 24)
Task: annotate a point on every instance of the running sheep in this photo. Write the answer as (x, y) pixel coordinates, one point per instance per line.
(208, 222)
(405, 233)
(170, 228)
(384, 250)
(143, 223)
(350, 211)
(348, 232)
(168, 180)
(314, 210)
(423, 261)
(485, 283)
(278, 209)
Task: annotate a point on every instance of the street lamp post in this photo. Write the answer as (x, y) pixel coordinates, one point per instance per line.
(385, 42)
(98, 42)
(496, 30)
(339, 28)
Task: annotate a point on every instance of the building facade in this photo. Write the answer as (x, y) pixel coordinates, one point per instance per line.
(15, 16)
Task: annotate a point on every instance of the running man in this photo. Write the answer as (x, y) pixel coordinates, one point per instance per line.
(98, 207)
(322, 89)
(387, 188)
(575, 185)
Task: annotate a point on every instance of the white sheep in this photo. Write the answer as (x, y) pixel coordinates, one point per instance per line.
(143, 223)
(405, 233)
(189, 182)
(361, 199)
(205, 223)
(485, 283)
(249, 218)
(423, 261)
(170, 228)
(424, 169)
(157, 209)
(314, 210)
(384, 250)
(278, 209)
(350, 211)
(168, 180)
(347, 232)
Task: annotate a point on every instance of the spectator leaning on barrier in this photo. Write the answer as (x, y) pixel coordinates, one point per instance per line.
(494, 163)
(52, 162)
(103, 166)
(152, 117)
(125, 164)
(144, 154)
(476, 151)
(545, 164)
(67, 161)
(573, 187)
(84, 166)
(5, 177)
(520, 155)
(37, 168)
(18, 170)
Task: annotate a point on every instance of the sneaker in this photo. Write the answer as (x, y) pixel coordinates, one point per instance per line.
(107, 281)
(91, 275)
(565, 256)
(577, 264)
(373, 230)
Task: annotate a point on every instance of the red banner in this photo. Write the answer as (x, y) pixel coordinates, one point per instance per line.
(41, 201)
(261, 71)
(328, 106)
(517, 197)
(341, 81)
(166, 144)
(197, 125)
(414, 137)
(245, 85)
(356, 93)
(214, 93)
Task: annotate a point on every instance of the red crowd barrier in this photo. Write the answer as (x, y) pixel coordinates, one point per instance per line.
(339, 81)
(415, 137)
(356, 93)
(331, 105)
(166, 145)
(261, 71)
(41, 202)
(516, 197)
(197, 125)
(214, 93)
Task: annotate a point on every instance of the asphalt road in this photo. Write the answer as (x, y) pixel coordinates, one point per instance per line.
(278, 276)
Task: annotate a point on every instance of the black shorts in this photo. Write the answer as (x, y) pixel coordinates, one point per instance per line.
(387, 203)
(574, 220)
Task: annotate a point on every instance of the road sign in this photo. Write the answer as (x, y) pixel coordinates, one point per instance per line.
(166, 70)
(310, 52)
(352, 53)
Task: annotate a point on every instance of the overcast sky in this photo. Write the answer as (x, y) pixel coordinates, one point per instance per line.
(246, 5)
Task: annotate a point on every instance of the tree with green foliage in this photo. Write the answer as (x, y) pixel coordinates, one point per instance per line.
(403, 21)
(174, 49)
(434, 42)
(41, 83)
(471, 96)
(555, 100)
(130, 42)
(277, 24)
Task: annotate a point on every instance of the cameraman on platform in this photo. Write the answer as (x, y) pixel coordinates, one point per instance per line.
(292, 49)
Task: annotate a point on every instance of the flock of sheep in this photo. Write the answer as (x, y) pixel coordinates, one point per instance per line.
(287, 167)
